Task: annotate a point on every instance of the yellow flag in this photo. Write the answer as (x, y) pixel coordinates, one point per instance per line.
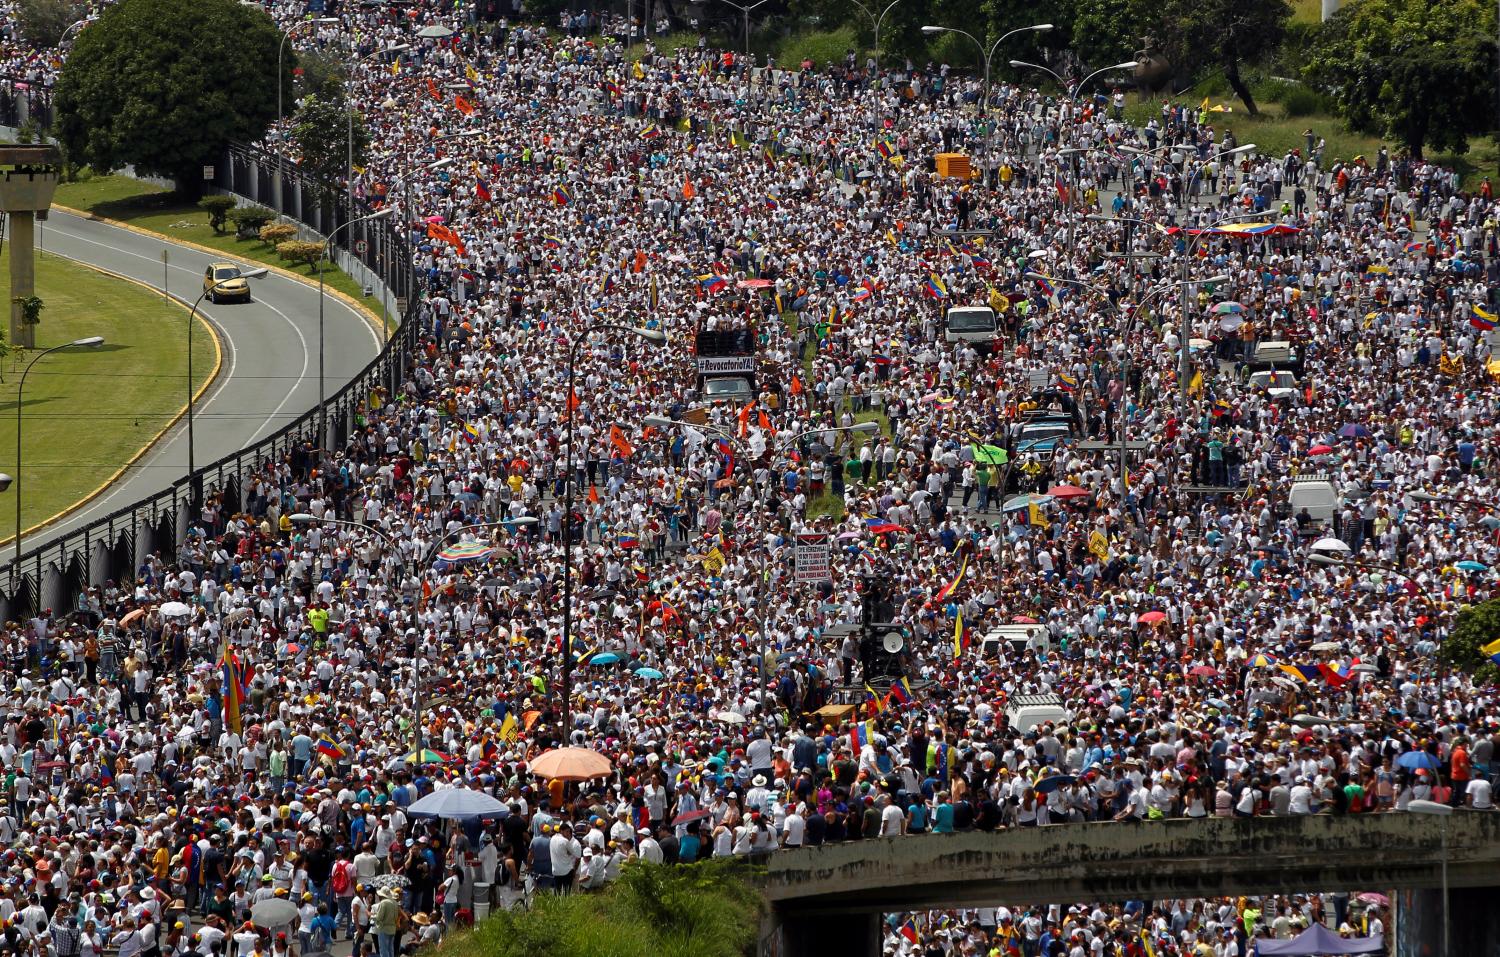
(1204, 104)
(508, 730)
(640, 74)
(1035, 518)
(1195, 385)
(1099, 545)
(470, 72)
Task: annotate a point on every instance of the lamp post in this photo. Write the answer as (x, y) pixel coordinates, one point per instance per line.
(408, 171)
(75, 25)
(987, 54)
(746, 11)
(877, 21)
(655, 337)
(1124, 361)
(859, 428)
(256, 273)
(1185, 330)
(1442, 812)
(327, 248)
(1076, 88)
(412, 566)
(90, 342)
(1136, 151)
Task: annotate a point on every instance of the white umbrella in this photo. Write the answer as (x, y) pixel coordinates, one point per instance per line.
(238, 615)
(730, 717)
(175, 609)
(276, 912)
(1330, 544)
(1326, 646)
(435, 32)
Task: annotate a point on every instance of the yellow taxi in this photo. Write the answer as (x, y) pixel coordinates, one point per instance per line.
(224, 281)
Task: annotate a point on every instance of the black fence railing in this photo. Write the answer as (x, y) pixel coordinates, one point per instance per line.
(114, 548)
(23, 101)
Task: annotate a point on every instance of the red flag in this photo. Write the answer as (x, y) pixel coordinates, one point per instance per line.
(745, 417)
(463, 106)
(572, 400)
(594, 494)
(432, 89)
(688, 189)
(617, 439)
(796, 387)
(445, 235)
(765, 423)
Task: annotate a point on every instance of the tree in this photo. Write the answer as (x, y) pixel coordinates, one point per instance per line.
(218, 208)
(1418, 71)
(1197, 35)
(164, 85)
(323, 127)
(1476, 626)
(42, 22)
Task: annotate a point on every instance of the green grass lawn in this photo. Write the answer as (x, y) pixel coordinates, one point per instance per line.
(87, 411)
(160, 210)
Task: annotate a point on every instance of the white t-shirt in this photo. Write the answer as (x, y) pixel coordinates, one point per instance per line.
(1479, 789)
(794, 828)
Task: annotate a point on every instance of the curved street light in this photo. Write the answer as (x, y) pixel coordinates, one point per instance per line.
(987, 54)
(322, 290)
(88, 342)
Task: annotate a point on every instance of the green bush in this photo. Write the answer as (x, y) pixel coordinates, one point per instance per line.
(822, 47)
(249, 219)
(218, 208)
(1299, 100)
(709, 909)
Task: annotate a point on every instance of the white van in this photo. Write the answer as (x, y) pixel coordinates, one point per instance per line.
(1317, 494)
(1027, 711)
(976, 324)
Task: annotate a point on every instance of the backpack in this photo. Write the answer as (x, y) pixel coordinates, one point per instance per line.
(342, 877)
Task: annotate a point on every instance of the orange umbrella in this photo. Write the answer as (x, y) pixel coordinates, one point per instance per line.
(1152, 617)
(571, 764)
(132, 615)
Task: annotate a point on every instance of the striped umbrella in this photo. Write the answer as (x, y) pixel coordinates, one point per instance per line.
(463, 553)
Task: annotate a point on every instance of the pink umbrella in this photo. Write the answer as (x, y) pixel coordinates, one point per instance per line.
(1023, 620)
(1320, 449)
(434, 219)
(1152, 617)
(754, 284)
(1204, 671)
(1067, 491)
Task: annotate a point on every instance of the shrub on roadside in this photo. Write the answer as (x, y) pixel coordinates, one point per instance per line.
(218, 208)
(300, 253)
(274, 234)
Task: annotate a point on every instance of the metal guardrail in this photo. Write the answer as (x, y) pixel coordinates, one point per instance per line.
(116, 547)
(23, 101)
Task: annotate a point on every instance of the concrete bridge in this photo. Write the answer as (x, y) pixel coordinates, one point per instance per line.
(827, 900)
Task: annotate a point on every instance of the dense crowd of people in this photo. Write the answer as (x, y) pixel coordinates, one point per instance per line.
(249, 718)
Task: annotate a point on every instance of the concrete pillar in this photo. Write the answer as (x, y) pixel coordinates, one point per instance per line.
(1474, 922)
(22, 275)
(847, 935)
(1330, 7)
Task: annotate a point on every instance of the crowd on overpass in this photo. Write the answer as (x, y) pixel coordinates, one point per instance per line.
(249, 717)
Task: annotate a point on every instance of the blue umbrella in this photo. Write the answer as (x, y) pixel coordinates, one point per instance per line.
(1469, 565)
(1354, 431)
(1048, 785)
(456, 803)
(1417, 760)
(648, 673)
(1025, 501)
(607, 658)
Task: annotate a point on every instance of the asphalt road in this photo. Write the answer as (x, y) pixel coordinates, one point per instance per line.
(270, 355)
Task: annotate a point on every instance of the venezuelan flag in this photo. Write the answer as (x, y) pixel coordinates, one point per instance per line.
(1492, 651)
(1481, 319)
(934, 287)
(860, 736)
(901, 692)
(562, 196)
(330, 748)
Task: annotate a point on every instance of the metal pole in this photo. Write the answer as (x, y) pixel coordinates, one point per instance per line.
(567, 530)
(322, 405)
(164, 271)
(1185, 332)
(1126, 325)
(20, 483)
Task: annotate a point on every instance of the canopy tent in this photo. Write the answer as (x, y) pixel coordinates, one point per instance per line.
(1318, 940)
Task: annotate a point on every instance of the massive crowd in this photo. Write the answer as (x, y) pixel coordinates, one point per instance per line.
(240, 722)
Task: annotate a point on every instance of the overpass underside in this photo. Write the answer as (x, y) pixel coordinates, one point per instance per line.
(832, 896)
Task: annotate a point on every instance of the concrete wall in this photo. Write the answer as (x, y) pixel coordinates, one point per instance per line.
(1111, 862)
